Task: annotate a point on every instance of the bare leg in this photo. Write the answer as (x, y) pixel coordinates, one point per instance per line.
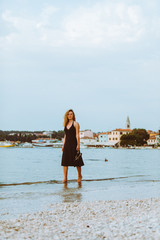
(79, 174)
(65, 172)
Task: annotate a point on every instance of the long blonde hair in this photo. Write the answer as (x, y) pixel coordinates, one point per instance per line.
(66, 117)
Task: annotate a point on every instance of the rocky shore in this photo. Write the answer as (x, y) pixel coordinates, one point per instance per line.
(111, 220)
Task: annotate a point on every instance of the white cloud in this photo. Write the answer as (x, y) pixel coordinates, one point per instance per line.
(105, 25)
(45, 16)
(102, 25)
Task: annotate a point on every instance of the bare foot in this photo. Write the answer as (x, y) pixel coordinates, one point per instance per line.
(79, 179)
(64, 181)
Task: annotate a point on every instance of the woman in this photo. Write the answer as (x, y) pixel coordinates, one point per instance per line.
(71, 144)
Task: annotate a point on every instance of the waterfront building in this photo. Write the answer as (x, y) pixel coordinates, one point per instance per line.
(115, 135)
(87, 141)
(158, 139)
(152, 140)
(86, 133)
(103, 137)
(48, 133)
(38, 133)
(151, 133)
(23, 133)
(95, 136)
(11, 134)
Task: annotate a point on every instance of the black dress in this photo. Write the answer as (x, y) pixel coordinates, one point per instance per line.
(70, 146)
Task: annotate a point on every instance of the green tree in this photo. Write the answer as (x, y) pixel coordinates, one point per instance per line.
(58, 135)
(2, 136)
(137, 137)
(141, 136)
(127, 139)
(54, 134)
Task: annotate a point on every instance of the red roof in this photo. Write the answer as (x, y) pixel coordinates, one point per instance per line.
(152, 137)
(150, 131)
(95, 135)
(103, 133)
(123, 130)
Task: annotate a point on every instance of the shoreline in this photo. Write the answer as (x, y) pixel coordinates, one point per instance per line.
(111, 219)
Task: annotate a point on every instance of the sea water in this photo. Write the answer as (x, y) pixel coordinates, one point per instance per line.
(31, 178)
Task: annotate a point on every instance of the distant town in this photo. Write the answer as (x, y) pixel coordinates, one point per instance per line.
(117, 138)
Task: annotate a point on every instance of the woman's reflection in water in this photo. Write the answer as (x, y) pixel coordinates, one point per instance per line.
(72, 194)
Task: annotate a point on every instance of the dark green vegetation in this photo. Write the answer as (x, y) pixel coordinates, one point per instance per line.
(138, 137)
(58, 135)
(27, 136)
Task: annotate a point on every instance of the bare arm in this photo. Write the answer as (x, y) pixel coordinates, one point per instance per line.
(64, 141)
(77, 135)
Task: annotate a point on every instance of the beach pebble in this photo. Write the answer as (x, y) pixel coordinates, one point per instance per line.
(118, 219)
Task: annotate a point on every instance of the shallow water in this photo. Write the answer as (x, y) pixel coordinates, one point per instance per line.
(31, 178)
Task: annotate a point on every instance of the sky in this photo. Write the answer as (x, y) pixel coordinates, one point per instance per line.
(100, 58)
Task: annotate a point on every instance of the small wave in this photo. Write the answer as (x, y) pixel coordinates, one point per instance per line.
(94, 159)
(74, 180)
(28, 183)
(148, 180)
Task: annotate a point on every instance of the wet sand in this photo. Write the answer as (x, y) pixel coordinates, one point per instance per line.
(114, 219)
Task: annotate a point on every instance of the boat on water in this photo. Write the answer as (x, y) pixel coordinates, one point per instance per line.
(25, 145)
(44, 142)
(148, 147)
(130, 147)
(57, 145)
(6, 144)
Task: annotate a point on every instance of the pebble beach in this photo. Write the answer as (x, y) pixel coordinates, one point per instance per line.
(113, 219)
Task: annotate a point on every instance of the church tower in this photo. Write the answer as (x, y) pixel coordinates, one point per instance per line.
(128, 125)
